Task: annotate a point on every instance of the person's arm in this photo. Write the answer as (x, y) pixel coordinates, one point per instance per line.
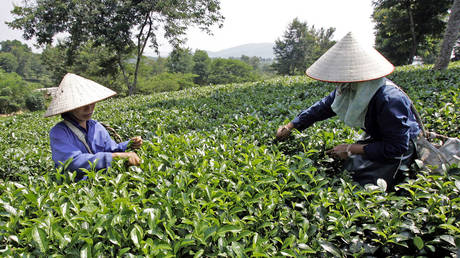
(344, 151)
(393, 123)
(111, 146)
(108, 144)
(319, 111)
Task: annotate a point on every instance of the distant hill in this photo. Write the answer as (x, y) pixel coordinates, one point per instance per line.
(263, 50)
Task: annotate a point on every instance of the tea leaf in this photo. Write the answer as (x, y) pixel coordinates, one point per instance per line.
(40, 238)
(330, 248)
(418, 242)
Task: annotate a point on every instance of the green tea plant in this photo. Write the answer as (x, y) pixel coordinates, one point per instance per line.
(214, 182)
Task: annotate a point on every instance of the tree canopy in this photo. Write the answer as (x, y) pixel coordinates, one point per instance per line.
(406, 28)
(18, 58)
(224, 71)
(201, 66)
(123, 26)
(300, 47)
(180, 60)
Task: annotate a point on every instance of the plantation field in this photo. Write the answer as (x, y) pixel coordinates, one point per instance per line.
(213, 181)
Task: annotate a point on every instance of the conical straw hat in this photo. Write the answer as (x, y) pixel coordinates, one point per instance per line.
(350, 61)
(74, 92)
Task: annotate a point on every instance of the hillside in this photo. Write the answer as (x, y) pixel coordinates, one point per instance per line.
(213, 181)
(263, 50)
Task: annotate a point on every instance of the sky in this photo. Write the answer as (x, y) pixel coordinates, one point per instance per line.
(254, 21)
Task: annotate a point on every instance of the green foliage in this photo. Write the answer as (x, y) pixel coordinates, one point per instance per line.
(150, 66)
(18, 58)
(13, 93)
(230, 71)
(97, 63)
(124, 27)
(180, 60)
(408, 28)
(8, 62)
(165, 82)
(213, 181)
(201, 66)
(300, 47)
(35, 101)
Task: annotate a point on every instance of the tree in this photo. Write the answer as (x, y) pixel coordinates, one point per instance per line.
(8, 62)
(224, 71)
(253, 61)
(450, 36)
(13, 90)
(123, 26)
(27, 64)
(94, 62)
(300, 47)
(406, 28)
(201, 66)
(21, 52)
(180, 60)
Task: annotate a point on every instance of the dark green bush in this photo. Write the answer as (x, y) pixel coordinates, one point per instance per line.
(35, 101)
(16, 94)
(8, 105)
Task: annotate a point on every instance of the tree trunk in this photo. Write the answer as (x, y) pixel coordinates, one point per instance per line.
(141, 43)
(125, 76)
(450, 37)
(412, 31)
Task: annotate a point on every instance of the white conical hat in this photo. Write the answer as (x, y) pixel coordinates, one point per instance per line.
(74, 92)
(350, 61)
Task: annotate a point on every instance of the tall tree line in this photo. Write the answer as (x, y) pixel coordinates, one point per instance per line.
(409, 28)
(125, 27)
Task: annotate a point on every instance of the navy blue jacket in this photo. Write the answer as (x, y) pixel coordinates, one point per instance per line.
(389, 121)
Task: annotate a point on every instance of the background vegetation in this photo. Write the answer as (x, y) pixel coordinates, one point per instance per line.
(110, 50)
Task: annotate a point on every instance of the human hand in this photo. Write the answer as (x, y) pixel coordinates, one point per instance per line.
(133, 159)
(342, 151)
(135, 142)
(284, 131)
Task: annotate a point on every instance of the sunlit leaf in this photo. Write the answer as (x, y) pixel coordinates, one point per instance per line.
(418, 242)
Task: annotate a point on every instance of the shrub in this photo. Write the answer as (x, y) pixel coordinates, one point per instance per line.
(7, 105)
(16, 94)
(35, 101)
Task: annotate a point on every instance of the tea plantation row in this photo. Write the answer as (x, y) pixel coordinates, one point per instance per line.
(213, 181)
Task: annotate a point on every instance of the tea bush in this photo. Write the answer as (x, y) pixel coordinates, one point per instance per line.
(213, 181)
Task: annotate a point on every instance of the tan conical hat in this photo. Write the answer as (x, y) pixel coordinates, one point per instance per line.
(74, 92)
(350, 61)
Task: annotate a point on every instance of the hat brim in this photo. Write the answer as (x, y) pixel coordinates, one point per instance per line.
(350, 61)
(75, 92)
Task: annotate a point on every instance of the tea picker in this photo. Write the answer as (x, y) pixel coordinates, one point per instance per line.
(78, 138)
(364, 99)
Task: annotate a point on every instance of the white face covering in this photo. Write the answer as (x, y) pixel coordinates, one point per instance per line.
(351, 101)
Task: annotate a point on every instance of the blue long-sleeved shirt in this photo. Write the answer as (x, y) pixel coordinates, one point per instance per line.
(389, 121)
(65, 144)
